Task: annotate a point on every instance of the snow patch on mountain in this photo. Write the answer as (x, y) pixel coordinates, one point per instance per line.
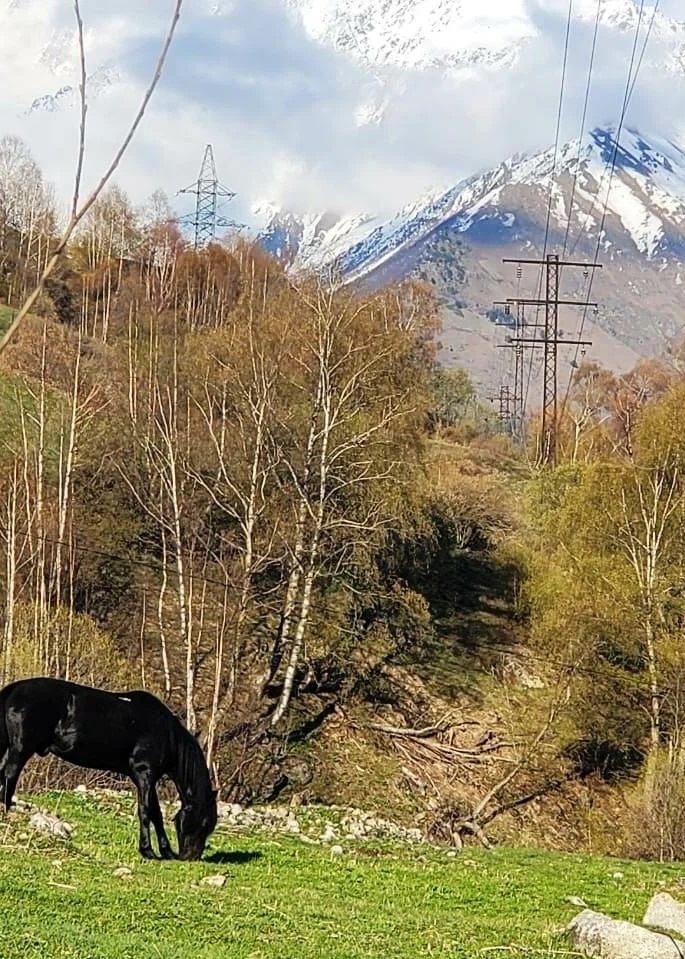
(415, 34)
(645, 228)
(646, 195)
(457, 34)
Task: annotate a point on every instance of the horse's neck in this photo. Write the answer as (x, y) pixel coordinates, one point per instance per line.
(191, 777)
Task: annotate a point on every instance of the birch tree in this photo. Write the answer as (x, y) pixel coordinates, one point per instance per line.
(80, 207)
(237, 404)
(643, 528)
(352, 368)
(161, 432)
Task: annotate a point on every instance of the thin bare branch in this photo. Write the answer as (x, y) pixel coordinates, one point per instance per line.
(84, 108)
(78, 215)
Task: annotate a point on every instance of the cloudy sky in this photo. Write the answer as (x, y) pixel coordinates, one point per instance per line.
(282, 104)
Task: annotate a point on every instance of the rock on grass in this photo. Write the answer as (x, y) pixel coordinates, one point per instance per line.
(665, 912)
(598, 935)
(44, 822)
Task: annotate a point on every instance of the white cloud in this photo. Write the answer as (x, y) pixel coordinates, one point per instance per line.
(282, 108)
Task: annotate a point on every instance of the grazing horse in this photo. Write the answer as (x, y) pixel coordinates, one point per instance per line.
(131, 733)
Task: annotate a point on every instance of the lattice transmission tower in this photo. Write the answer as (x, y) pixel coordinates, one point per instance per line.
(208, 192)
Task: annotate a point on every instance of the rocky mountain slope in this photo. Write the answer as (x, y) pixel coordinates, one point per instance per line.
(456, 240)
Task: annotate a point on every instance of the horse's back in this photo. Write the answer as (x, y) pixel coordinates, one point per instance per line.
(39, 696)
(44, 690)
(88, 726)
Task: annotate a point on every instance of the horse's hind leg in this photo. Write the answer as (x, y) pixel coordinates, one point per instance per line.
(11, 773)
(165, 850)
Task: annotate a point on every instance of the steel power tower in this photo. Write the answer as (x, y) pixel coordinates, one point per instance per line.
(549, 342)
(207, 191)
(516, 343)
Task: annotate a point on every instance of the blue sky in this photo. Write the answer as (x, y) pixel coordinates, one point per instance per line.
(280, 108)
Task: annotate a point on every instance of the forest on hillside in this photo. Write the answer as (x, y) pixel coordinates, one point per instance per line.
(261, 498)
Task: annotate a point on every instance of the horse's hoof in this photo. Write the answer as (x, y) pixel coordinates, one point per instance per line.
(168, 854)
(147, 852)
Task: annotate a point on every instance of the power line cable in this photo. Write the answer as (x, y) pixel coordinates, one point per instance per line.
(630, 87)
(582, 123)
(560, 108)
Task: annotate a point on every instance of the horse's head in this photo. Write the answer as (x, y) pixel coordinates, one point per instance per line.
(194, 822)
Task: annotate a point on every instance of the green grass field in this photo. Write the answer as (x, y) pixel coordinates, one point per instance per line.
(7, 314)
(284, 898)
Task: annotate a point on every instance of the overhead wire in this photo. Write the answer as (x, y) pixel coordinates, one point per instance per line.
(610, 167)
(581, 134)
(494, 647)
(560, 108)
(631, 79)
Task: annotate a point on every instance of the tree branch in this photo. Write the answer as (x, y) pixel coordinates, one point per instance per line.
(78, 214)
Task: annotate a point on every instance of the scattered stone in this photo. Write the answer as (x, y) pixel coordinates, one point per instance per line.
(356, 831)
(617, 875)
(123, 872)
(666, 913)
(354, 824)
(82, 788)
(44, 822)
(576, 901)
(22, 806)
(336, 850)
(452, 854)
(600, 936)
(217, 881)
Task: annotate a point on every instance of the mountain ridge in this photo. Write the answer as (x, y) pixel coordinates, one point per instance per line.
(646, 193)
(455, 240)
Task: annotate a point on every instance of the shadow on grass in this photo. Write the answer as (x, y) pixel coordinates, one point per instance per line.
(236, 857)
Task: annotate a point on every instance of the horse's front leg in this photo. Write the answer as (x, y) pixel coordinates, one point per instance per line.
(165, 850)
(142, 777)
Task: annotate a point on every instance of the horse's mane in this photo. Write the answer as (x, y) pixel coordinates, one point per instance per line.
(192, 774)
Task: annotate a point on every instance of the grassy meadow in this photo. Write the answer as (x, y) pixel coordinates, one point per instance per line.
(287, 899)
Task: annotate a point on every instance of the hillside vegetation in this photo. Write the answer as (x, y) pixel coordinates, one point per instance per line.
(264, 501)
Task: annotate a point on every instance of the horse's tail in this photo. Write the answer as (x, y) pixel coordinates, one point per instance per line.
(5, 694)
(4, 735)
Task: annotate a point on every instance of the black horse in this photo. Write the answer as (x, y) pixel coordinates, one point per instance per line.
(131, 733)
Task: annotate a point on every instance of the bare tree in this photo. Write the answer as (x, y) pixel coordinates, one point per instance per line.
(163, 435)
(237, 406)
(349, 356)
(79, 210)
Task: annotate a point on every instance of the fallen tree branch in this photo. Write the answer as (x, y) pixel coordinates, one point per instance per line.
(425, 733)
(481, 815)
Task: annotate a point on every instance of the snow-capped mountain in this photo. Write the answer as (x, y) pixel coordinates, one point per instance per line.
(471, 39)
(644, 199)
(456, 241)
(456, 34)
